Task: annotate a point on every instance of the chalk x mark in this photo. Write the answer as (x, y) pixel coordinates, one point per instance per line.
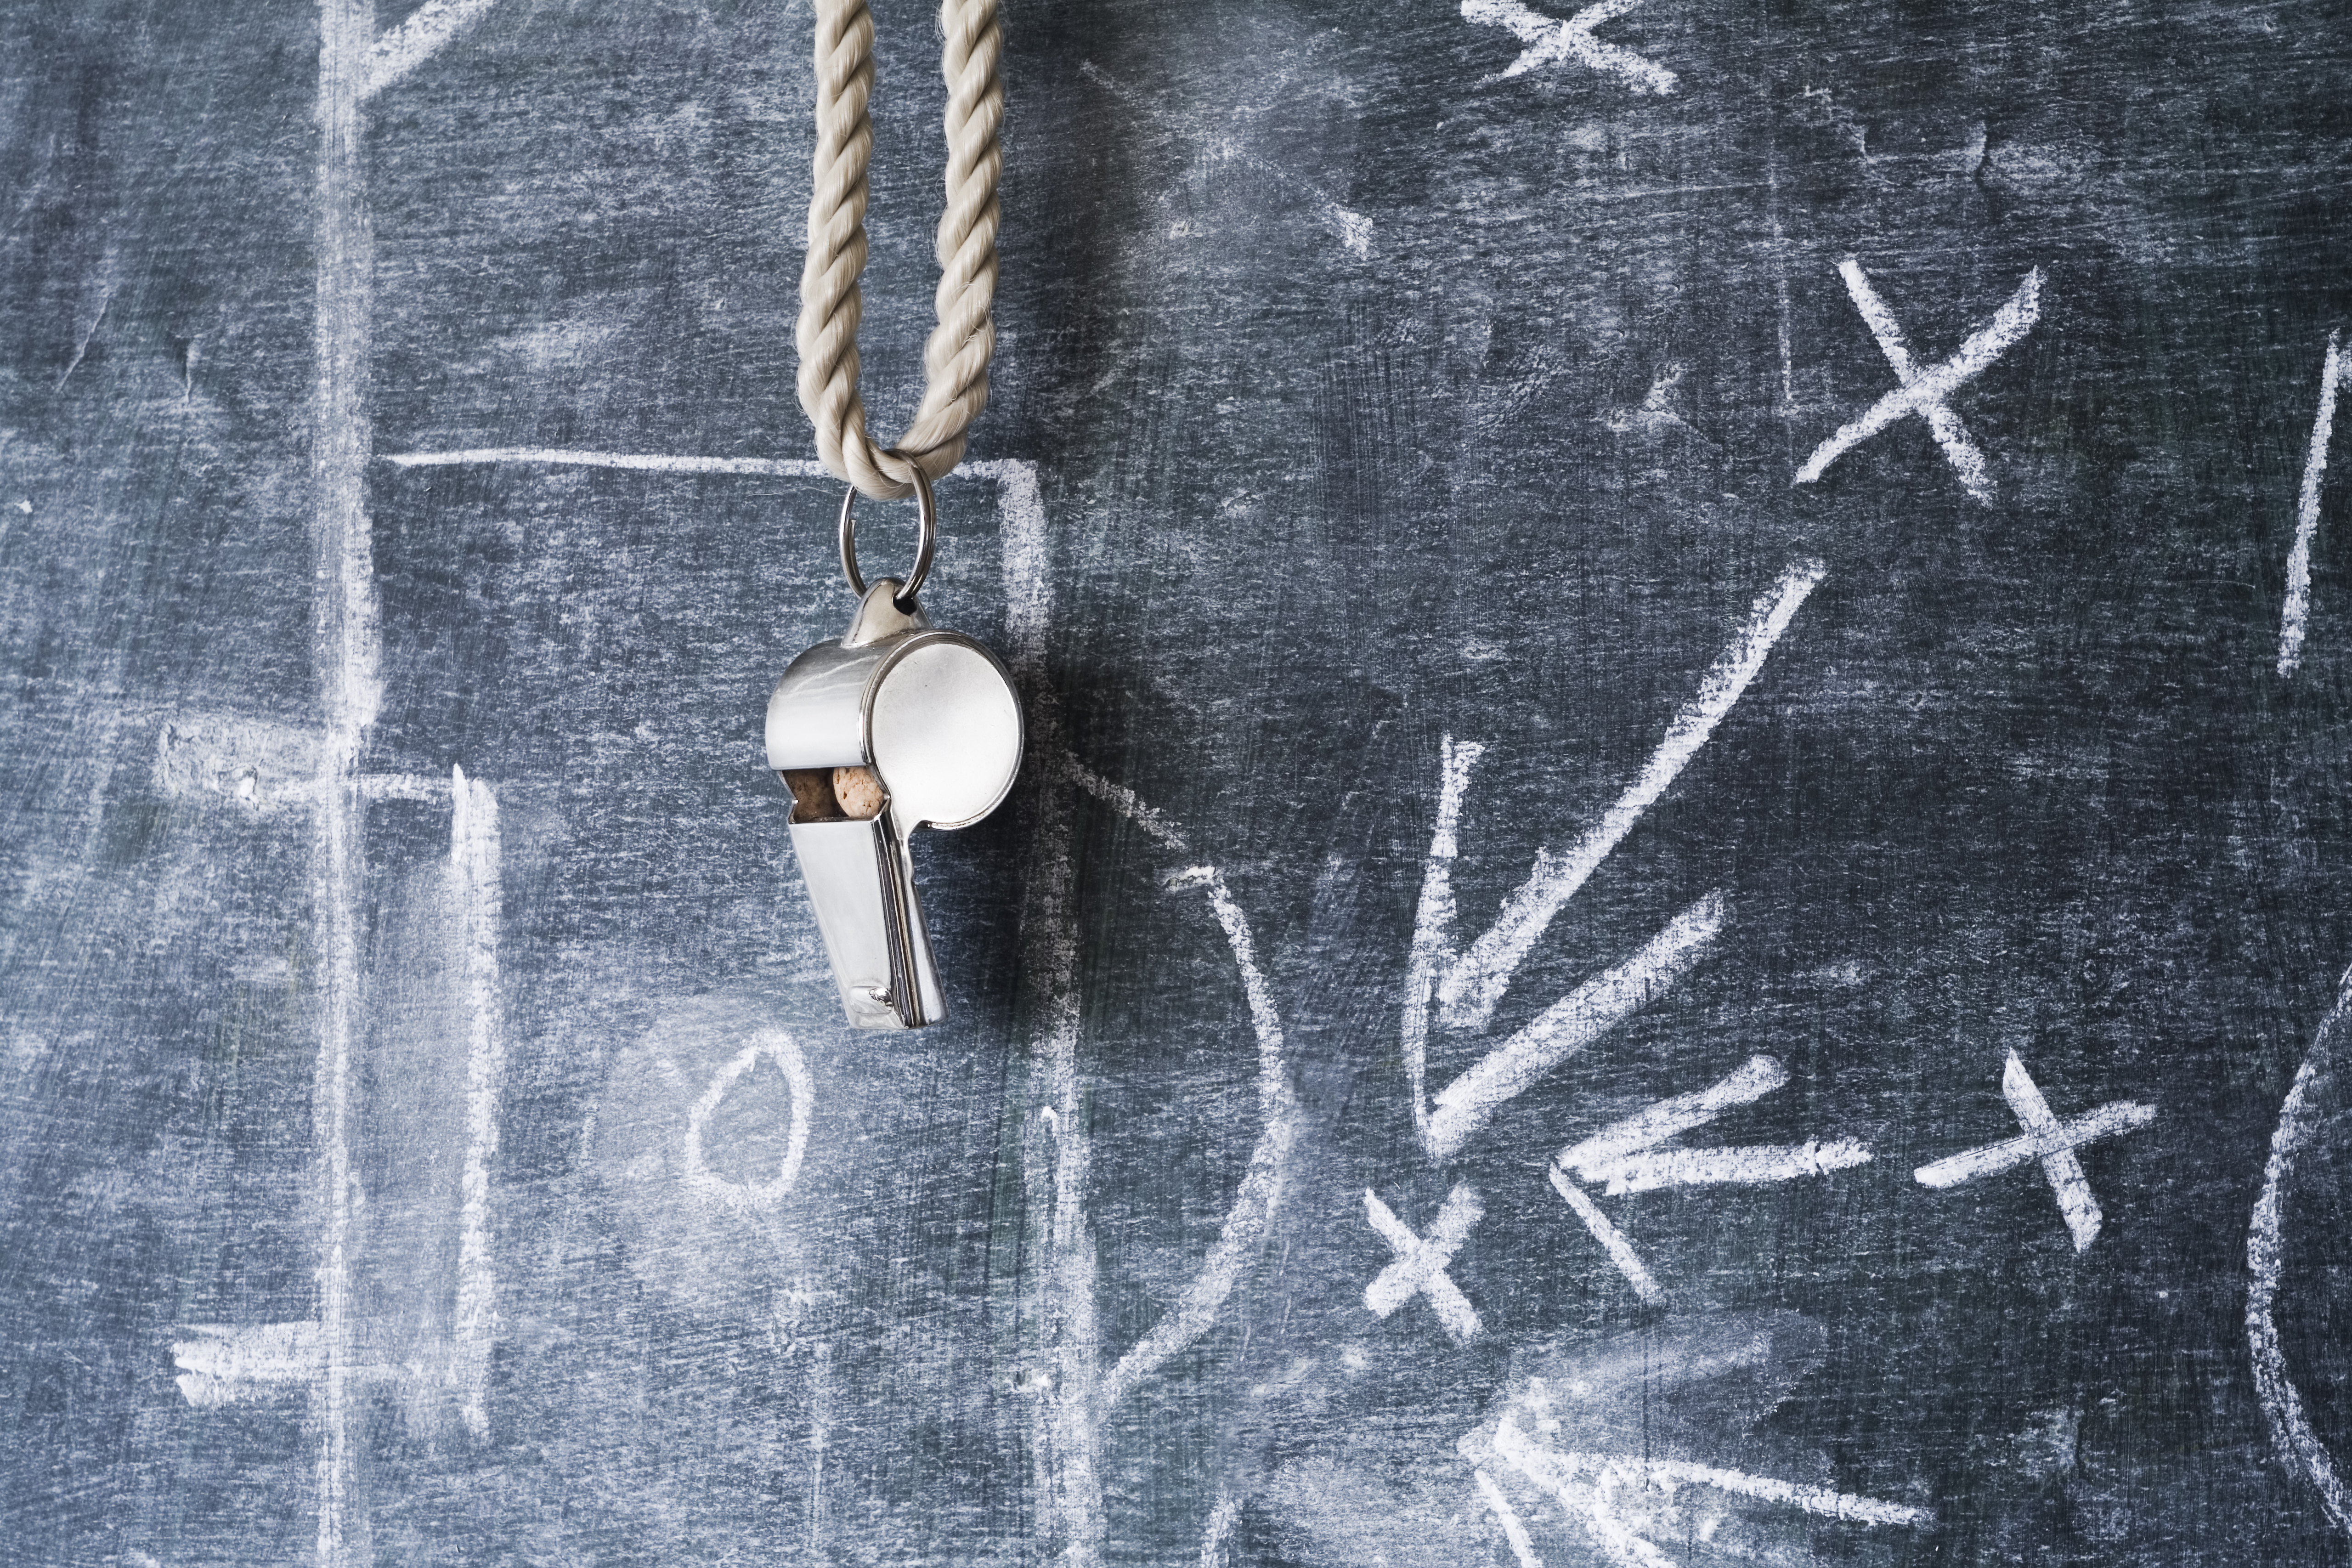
(2050, 1141)
(2334, 372)
(2298, 1446)
(1927, 393)
(1421, 1261)
(1549, 42)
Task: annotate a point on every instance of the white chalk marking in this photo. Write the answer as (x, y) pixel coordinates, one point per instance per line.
(1420, 1266)
(1474, 985)
(1625, 1154)
(1433, 920)
(2333, 373)
(649, 462)
(220, 1363)
(1746, 1166)
(1927, 393)
(1568, 1025)
(1942, 423)
(2121, 1116)
(259, 764)
(1127, 804)
(428, 29)
(1026, 555)
(2298, 1446)
(346, 645)
(1261, 1186)
(1214, 1539)
(2049, 1140)
(751, 1196)
(1351, 228)
(1551, 1468)
(1507, 1517)
(1549, 42)
(253, 763)
(1613, 1240)
(473, 865)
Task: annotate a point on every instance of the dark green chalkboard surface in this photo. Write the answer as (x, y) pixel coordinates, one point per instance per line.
(1678, 900)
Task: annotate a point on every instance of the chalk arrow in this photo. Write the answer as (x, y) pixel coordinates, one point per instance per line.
(1626, 1155)
(1461, 986)
(1549, 42)
(1614, 1436)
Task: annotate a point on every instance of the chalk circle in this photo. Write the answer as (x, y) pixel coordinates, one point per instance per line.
(2297, 1444)
(785, 1052)
(696, 1218)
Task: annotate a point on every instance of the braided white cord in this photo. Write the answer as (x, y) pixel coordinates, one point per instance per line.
(955, 359)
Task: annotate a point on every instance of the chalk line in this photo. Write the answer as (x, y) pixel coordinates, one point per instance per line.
(1929, 390)
(1025, 552)
(1613, 1240)
(2292, 1437)
(750, 1196)
(2121, 1116)
(427, 29)
(1474, 985)
(649, 462)
(2297, 611)
(1127, 804)
(1746, 1166)
(346, 644)
(1261, 1187)
(1590, 1159)
(1420, 1266)
(1548, 1466)
(2040, 1123)
(1433, 917)
(1625, 1154)
(1945, 424)
(473, 864)
(1568, 1025)
(1222, 1520)
(1550, 41)
(219, 1364)
(1507, 1517)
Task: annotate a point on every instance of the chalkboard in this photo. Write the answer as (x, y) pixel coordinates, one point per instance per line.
(1678, 896)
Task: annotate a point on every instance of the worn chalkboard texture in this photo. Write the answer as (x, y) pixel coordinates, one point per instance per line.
(1679, 893)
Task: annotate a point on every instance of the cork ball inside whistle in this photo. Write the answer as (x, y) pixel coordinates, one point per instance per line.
(860, 793)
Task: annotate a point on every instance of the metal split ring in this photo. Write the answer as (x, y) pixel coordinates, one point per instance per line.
(927, 537)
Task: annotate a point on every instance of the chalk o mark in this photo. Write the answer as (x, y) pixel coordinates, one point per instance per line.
(2298, 1446)
(760, 1196)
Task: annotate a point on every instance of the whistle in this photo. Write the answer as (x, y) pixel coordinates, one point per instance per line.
(893, 727)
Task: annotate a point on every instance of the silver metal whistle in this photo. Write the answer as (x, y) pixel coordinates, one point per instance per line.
(893, 727)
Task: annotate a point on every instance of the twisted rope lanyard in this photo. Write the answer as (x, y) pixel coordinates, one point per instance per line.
(955, 357)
